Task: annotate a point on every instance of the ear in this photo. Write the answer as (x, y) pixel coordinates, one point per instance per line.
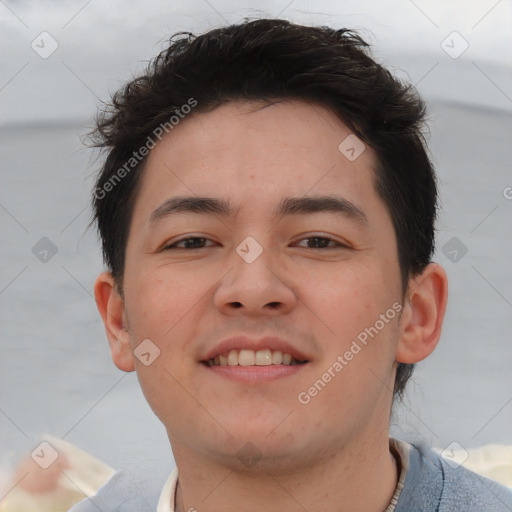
(423, 314)
(111, 307)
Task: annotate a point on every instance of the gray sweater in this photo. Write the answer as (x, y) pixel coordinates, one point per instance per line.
(431, 484)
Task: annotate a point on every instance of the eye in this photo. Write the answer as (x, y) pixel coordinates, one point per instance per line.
(192, 242)
(320, 242)
(313, 242)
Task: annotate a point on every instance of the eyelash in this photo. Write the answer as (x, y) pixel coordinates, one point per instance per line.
(174, 245)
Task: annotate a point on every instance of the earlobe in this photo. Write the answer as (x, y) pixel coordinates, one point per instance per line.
(423, 314)
(111, 308)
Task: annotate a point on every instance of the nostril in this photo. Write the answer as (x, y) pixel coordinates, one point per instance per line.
(272, 305)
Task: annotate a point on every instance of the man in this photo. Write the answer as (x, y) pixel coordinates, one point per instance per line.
(267, 212)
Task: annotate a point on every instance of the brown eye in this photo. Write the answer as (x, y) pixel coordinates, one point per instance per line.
(319, 242)
(189, 243)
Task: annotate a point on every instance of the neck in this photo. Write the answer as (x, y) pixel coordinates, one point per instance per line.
(361, 478)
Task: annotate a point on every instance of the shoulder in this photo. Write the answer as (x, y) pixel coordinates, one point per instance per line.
(449, 487)
(474, 492)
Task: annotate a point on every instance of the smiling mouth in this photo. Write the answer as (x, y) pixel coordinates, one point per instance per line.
(245, 357)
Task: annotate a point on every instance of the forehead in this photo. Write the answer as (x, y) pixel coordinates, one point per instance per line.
(255, 154)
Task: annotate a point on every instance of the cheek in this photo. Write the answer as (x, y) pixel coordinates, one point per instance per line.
(345, 299)
(160, 300)
(351, 305)
(161, 307)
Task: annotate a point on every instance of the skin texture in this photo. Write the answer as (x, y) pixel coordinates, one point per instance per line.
(334, 449)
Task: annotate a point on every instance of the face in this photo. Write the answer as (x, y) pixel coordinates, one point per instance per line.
(293, 252)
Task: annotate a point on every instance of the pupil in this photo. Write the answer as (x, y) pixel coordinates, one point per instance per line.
(194, 243)
(318, 242)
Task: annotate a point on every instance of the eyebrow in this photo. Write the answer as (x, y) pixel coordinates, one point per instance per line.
(288, 206)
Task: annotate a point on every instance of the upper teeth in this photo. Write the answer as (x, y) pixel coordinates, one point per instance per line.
(252, 357)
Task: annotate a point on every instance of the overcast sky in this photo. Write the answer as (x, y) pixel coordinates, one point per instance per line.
(454, 50)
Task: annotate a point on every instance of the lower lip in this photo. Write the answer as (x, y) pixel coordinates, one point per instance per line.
(256, 374)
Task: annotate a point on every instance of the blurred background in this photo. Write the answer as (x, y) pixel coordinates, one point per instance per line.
(59, 59)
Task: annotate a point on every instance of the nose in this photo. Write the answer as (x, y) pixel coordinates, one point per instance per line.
(255, 287)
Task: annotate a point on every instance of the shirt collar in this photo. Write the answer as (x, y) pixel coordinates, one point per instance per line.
(167, 499)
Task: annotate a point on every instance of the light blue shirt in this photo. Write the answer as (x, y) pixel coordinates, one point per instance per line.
(432, 484)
